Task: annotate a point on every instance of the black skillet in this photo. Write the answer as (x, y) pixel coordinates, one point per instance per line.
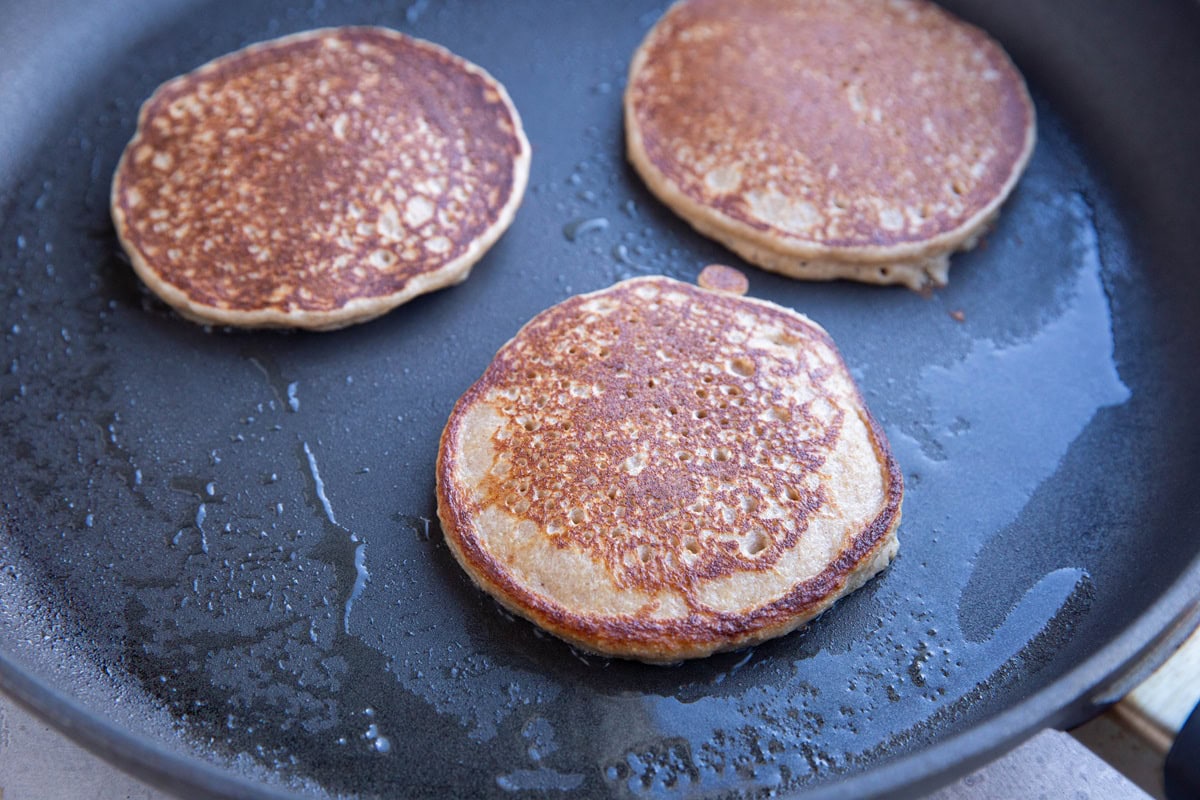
(190, 517)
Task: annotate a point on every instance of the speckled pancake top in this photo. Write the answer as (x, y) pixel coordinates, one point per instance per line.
(664, 470)
(310, 176)
(837, 123)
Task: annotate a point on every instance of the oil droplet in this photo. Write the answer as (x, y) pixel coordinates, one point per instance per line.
(383, 745)
(292, 400)
(414, 12)
(360, 581)
(621, 253)
(320, 484)
(583, 225)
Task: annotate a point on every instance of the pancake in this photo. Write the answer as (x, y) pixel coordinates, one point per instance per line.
(829, 138)
(657, 471)
(318, 180)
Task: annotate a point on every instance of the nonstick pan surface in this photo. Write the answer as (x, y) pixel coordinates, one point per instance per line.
(221, 565)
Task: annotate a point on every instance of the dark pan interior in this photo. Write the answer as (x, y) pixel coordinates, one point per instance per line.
(220, 559)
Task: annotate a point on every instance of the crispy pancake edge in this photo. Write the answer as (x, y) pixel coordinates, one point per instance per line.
(359, 309)
(657, 641)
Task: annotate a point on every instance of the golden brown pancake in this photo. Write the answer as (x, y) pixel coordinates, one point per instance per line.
(829, 138)
(318, 180)
(658, 471)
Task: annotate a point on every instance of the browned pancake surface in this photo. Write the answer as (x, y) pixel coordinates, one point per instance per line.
(681, 459)
(318, 173)
(844, 124)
